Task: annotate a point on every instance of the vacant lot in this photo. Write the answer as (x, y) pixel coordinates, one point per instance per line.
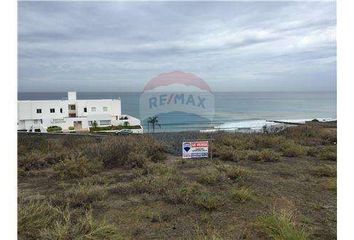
(276, 186)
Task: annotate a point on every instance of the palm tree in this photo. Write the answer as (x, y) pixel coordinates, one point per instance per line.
(154, 121)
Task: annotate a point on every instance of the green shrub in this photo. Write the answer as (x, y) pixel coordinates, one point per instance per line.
(266, 155)
(183, 194)
(82, 195)
(311, 135)
(241, 195)
(328, 137)
(83, 227)
(54, 129)
(158, 184)
(30, 143)
(227, 154)
(242, 142)
(269, 156)
(324, 171)
(77, 168)
(328, 153)
(253, 155)
(209, 176)
(71, 128)
(235, 173)
(127, 151)
(331, 184)
(136, 160)
(98, 179)
(225, 140)
(38, 219)
(240, 155)
(121, 188)
(21, 172)
(160, 169)
(156, 152)
(193, 194)
(291, 149)
(302, 132)
(113, 151)
(280, 226)
(267, 141)
(207, 200)
(119, 127)
(34, 216)
(33, 160)
(313, 151)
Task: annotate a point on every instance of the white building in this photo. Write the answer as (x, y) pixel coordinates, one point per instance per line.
(80, 115)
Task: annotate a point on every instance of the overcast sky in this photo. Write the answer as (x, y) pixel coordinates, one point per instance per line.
(233, 46)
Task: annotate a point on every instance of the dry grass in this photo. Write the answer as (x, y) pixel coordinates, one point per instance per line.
(226, 153)
(77, 168)
(39, 219)
(122, 187)
(85, 227)
(234, 173)
(242, 194)
(281, 226)
(328, 153)
(331, 184)
(81, 195)
(209, 234)
(268, 155)
(291, 149)
(207, 200)
(251, 155)
(209, 176)
(183, 194)
(324, 170)
(34, 217)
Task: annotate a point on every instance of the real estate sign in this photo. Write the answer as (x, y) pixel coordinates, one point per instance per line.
(197, 149)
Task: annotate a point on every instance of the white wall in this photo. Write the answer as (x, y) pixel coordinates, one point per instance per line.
(28, 109)
(113, 107)
(27, 112)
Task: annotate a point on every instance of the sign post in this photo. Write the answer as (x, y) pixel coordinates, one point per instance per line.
(195, 149)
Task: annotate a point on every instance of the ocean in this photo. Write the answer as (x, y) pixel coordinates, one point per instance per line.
(229, 107)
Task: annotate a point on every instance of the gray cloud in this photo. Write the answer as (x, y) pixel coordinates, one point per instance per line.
(119, 46)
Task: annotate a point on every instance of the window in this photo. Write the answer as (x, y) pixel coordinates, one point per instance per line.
(105, 122)
(58, 120)
(39, 110)
(85, 109)
(105, 109)
(72, 107)
(93, 109)
(61, 110)
(52, 110)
